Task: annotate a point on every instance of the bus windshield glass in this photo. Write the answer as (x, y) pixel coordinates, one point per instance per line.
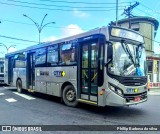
(128, 60)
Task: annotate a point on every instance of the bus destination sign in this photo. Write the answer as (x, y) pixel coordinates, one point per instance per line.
(122, 33)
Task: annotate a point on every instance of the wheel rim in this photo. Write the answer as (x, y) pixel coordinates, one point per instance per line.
(70, 95)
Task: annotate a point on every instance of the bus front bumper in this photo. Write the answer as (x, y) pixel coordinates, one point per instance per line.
(113, 99)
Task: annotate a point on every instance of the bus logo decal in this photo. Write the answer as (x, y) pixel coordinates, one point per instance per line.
(63, 73)
(136, 90)
(132, 90)
(59, 73)
(44, 72)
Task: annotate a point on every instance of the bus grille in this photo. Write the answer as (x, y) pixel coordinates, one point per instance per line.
(127, 81)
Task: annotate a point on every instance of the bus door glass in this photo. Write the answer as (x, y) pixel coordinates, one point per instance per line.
(1, 67)
(31, 70)
(11, 65)
(89, 70)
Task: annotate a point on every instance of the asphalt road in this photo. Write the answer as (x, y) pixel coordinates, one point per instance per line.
(40, 109)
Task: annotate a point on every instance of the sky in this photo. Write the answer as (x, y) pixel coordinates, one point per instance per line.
(71, 17)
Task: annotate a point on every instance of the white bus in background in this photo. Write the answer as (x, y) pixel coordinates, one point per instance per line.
(104, 66)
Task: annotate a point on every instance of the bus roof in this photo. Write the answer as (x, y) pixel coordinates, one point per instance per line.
(103, 30)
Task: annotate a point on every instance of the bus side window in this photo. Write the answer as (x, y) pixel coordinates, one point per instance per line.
(41, 56)
(20, 60)
(68, 54)
(52, 55)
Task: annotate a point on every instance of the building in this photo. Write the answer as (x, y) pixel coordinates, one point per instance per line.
(148, 27)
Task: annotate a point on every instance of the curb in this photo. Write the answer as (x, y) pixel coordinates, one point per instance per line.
(154, 92)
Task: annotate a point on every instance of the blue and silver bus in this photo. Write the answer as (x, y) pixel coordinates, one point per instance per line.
(104, 66)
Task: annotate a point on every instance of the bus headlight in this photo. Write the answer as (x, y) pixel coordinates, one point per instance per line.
(119, 92)
(115, 89)
(112, 87)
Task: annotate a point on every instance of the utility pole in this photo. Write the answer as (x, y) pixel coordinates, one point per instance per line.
(41, 26)
(7, 48)
(116, 12)
(127, 12)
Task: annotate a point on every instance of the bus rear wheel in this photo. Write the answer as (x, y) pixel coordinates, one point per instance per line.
(19, 86)
(69, 96)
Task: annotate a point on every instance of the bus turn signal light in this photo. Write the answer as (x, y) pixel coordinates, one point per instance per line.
(100, 93)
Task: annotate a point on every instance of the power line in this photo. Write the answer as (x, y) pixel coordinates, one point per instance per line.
(13, 38)
(145, 6)
(37, 42)
(58, 27)
(151, 39)
(149, 9)
(151, 15)
(128, 11)
(79, 2)
(15, 22)
(37, 4)
(8, 42)
(52, 8)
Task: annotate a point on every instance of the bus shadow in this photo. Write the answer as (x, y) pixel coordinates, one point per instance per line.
(3, 84)
(45, 97)
(108, 111)
(37, 95)
(116, 112)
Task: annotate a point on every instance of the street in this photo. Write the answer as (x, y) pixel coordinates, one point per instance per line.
(40, 109)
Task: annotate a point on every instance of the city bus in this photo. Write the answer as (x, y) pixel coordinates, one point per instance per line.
(1, 70)
(103, 67)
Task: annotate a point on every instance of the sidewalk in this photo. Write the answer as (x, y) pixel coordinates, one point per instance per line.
(154, 91)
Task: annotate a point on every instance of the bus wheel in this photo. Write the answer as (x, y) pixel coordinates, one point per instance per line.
(69, 96)
(19, 86)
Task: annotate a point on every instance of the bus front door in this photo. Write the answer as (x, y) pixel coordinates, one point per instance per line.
(89, 72)
(31, 74)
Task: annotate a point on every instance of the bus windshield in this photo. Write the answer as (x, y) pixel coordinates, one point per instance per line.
(128, 60)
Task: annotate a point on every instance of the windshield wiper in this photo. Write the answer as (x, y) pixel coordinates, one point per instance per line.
(127, 50)
(139, 52)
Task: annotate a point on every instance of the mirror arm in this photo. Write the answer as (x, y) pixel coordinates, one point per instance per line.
(108, 62)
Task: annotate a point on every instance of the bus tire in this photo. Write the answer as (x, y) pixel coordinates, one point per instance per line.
(19, 86)
(69, 96)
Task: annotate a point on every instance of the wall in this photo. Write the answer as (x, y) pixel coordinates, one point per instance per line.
(147, 30)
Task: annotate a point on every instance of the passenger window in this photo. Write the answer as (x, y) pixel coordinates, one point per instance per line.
(52, 55)
(40, 56)
(20, 60)
(94, 55)
(68, 54)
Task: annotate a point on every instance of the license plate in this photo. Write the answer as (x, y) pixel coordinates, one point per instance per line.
(137, 98)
